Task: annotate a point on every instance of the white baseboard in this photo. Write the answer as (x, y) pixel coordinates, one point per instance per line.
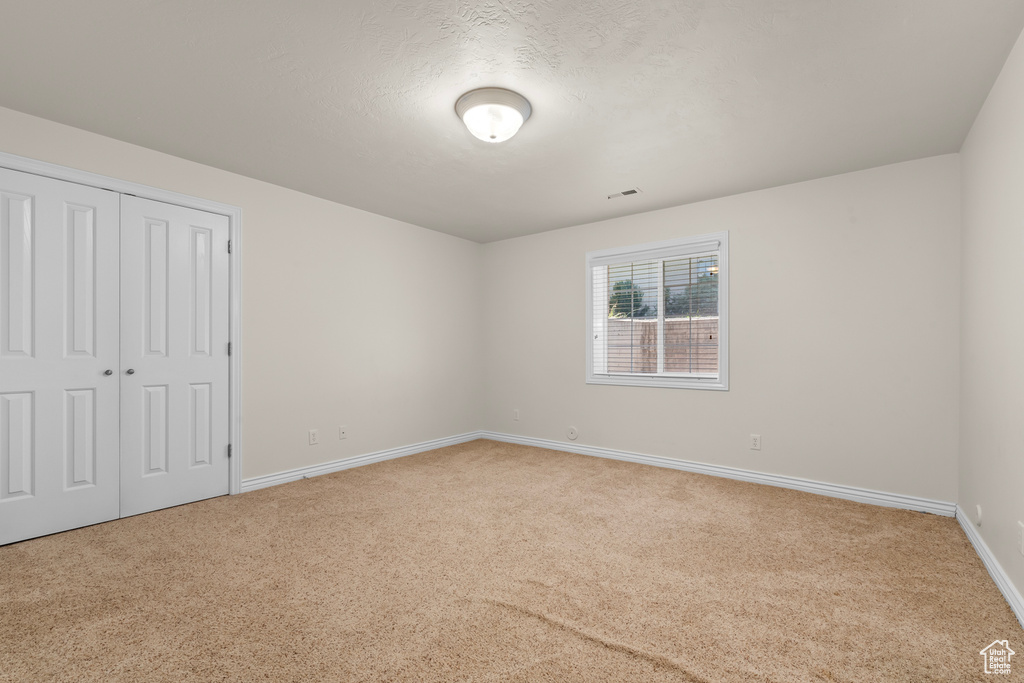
(355, 461)
(995, 570)
(894, 500)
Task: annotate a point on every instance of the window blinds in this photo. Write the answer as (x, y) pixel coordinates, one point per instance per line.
(657, 316)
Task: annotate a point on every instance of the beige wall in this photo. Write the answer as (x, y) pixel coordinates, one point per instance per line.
(860, 387)
(992, 333)
(875, 250)
(348, 318)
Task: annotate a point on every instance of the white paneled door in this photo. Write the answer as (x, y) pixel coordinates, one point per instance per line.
(58, 355)
(114, 369)
(174, 355)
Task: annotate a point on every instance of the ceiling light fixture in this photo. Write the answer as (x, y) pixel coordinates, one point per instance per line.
(493, 114)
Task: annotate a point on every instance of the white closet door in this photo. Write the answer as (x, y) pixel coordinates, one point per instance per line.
(174, 355)
(58, 337)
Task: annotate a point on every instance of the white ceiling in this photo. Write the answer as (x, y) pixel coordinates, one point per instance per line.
(353, 100)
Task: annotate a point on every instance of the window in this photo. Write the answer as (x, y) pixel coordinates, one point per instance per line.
(657, 314)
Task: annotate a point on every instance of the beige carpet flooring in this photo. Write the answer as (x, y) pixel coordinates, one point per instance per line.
(494, 562)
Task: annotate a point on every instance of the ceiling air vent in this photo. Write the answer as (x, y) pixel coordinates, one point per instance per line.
(625, 193)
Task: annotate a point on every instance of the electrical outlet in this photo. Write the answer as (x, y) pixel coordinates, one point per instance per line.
(314, 437)
(515, 414)
(755, 442)
(1020, 536)
(342, 432)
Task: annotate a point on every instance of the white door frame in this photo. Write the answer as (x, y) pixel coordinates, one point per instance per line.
(234, 216)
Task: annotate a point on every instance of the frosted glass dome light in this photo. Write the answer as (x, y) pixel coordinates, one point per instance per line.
(492, 122)
(493, 114)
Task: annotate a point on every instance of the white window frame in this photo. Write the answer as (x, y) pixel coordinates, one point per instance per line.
(717, 242)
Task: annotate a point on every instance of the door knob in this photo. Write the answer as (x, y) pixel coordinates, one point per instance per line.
(108, 372)
(129, 371)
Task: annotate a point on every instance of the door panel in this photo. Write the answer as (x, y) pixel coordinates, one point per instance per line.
(16, 452)
(17, 234)
(80, 262)
(174, 336)
(58, 334)
(79, 441)
(155, 278)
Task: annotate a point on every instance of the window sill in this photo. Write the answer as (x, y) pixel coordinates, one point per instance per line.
(717, 384)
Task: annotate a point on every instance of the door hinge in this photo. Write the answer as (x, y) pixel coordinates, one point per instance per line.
(229, 246)
(229, 348)
(229, 450)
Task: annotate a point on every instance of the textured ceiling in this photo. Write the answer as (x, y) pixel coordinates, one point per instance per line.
(353, 100)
